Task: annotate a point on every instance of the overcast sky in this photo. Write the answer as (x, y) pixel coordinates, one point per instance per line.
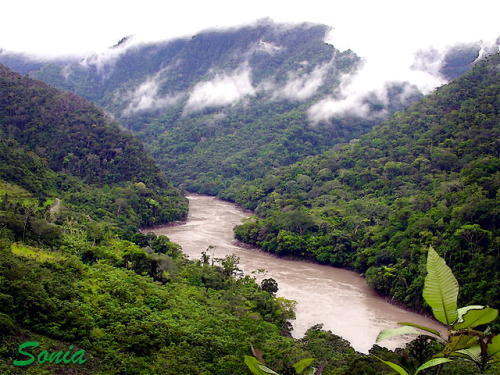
(55, 27)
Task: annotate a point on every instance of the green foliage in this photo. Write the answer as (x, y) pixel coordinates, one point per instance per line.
(269, 285)
(428, 176)
(56, 144)
(440, 289)
(112, 307)
(216, 147)
(441, 292)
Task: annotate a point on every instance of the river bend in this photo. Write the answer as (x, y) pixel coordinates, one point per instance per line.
(337, 298)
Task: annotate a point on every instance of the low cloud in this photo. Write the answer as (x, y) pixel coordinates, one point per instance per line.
(429, 61)
(302, 87)
(328, 108)
(372, 81)
(268, 47)
(222, 90)
(105, 61)
(146, 97)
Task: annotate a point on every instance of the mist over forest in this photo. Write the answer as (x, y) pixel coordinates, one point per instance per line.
(340, 164)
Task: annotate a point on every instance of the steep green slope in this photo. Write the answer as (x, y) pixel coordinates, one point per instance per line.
(76, 278)
(73, 135)
(429, 176)
(226, 106)
(54, 143)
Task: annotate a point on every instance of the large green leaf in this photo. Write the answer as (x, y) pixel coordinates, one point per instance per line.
(392, 332)
(424, 328)
(474, 317)
(493, 348)
(302, 364)
(440, 289)
(257, 367)
(400, 370)
(431, 363)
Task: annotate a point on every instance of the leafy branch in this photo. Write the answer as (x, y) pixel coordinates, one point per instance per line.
(463, 339)
(256, 365)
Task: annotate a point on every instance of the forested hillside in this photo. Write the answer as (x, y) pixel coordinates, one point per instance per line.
(55, 144)
(228, 112)
(227, 106)
(78, 281)
(429, 176)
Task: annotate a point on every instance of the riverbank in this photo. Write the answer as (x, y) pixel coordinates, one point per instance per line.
(337, 298)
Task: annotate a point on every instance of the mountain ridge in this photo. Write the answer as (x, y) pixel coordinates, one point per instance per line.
(374, 197)
(196, 102)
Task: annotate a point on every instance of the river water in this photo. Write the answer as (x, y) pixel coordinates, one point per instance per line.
(339, 299)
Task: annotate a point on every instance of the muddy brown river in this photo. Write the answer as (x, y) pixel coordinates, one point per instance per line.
(339, 299)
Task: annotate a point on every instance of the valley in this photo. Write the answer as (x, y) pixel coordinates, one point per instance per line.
(341, 183)
(338, 299)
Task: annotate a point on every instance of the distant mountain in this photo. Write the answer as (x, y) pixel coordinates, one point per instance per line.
(19, 62)
(53, 142)
(226, 106)
(265, 57)
(222, 106)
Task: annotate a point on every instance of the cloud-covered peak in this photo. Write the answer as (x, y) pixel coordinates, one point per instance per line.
(105, 60)
(420, 72)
